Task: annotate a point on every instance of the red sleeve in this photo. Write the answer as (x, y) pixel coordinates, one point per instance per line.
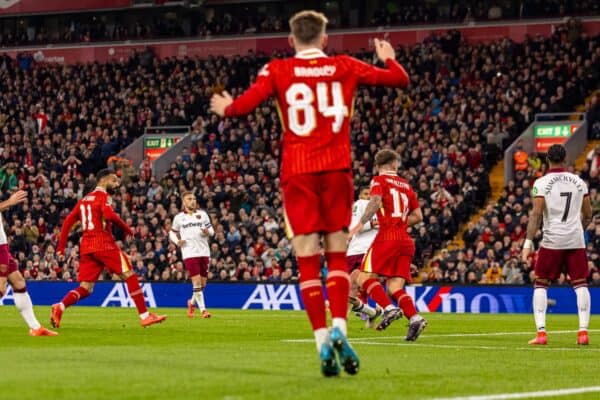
(110, 215)
(394, 75)
(376, 188)
(71, 219)
(262, 88)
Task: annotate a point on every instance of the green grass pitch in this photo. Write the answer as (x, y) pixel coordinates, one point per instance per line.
(103, 353)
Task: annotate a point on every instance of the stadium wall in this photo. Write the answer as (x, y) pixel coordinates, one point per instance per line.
(349, 41)
(448, 299)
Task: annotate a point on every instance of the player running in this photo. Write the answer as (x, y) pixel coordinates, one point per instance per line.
(357, 248)
(392, 251)
(314, 93)
(190, 231)
(561, 199)
(98, 249)
(9, 271)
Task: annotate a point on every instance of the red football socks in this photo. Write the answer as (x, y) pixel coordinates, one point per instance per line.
(311, 290)
(338, 284)
(74, 296)
(405, 303)
(375, 291)
(136, 294)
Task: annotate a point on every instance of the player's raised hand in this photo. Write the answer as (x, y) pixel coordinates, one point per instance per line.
(17, 197)
(219, 102)
(384, 50)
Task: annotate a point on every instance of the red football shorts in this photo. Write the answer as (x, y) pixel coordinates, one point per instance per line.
(552, 262)
(355, 261)
(197, 266)
(92, 264)
(388, 258)
(317, 203)
(8, 265)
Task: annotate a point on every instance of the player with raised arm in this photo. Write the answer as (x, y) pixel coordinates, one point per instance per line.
(190, 231)
(98, 250)
(9, 271)
(561, 200)
(314, 93)
(390, 255)
(357, 248)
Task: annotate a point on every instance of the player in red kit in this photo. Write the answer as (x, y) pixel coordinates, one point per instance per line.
(98, 250)
(315, 93)
(392, 251)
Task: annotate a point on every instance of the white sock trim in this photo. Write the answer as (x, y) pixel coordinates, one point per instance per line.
(321, 337)
(341, 324)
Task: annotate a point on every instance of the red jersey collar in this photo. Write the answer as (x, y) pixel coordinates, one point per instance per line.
(307, 54)
(389, 174)
(560, 169)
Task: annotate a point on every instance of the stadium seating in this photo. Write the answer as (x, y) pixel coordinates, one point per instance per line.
(464, 105)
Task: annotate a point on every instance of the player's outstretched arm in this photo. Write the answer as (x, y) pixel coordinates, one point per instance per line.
(71, 219)
(535, 220)
(110, 215)
(395, 75)
(225, 106)
(17, 197)
(175, 238)
(370, 210)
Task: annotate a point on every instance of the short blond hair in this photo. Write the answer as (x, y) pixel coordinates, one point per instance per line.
(306, 26)
(386, 156)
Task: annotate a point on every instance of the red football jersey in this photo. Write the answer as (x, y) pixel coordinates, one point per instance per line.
(96, 216)
(315, 96)
(398, 200)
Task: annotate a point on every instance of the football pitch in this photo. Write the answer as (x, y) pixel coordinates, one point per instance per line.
(103, 353)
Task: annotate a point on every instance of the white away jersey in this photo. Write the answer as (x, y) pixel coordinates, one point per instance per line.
(563, 193)
(189, 227)
(361, 242)
(3, 239)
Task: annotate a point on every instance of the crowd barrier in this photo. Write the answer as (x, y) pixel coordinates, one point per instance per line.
(448, 299)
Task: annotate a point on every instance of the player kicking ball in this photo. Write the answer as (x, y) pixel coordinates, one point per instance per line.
(315, 93)
(561, 200)
(190, 232)
(392, 251)
(98, 249)
(9, 272)
(357, 248)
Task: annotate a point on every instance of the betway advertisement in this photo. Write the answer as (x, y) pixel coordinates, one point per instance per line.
(338, 42)
(8, 7)
(446, 299)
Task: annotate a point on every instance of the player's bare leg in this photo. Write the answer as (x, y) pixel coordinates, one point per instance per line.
(359, 303)
(416, 322)
(583, 310)
(23, 303)
(72, 297)
(338, 290)
(540, 304)
(371, 285)
(136, 294)
(307, 251)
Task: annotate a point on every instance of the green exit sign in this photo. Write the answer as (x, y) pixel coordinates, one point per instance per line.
(554, 131)
(159, 143)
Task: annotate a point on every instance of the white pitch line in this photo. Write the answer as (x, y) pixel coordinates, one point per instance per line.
(483, 334)
(474, 347)
(528, 395)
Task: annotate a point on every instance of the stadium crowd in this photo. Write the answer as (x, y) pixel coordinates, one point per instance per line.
(145, 24)
(60, 124)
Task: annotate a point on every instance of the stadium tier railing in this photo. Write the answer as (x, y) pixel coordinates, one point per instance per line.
(569, 129)
(355, 40)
